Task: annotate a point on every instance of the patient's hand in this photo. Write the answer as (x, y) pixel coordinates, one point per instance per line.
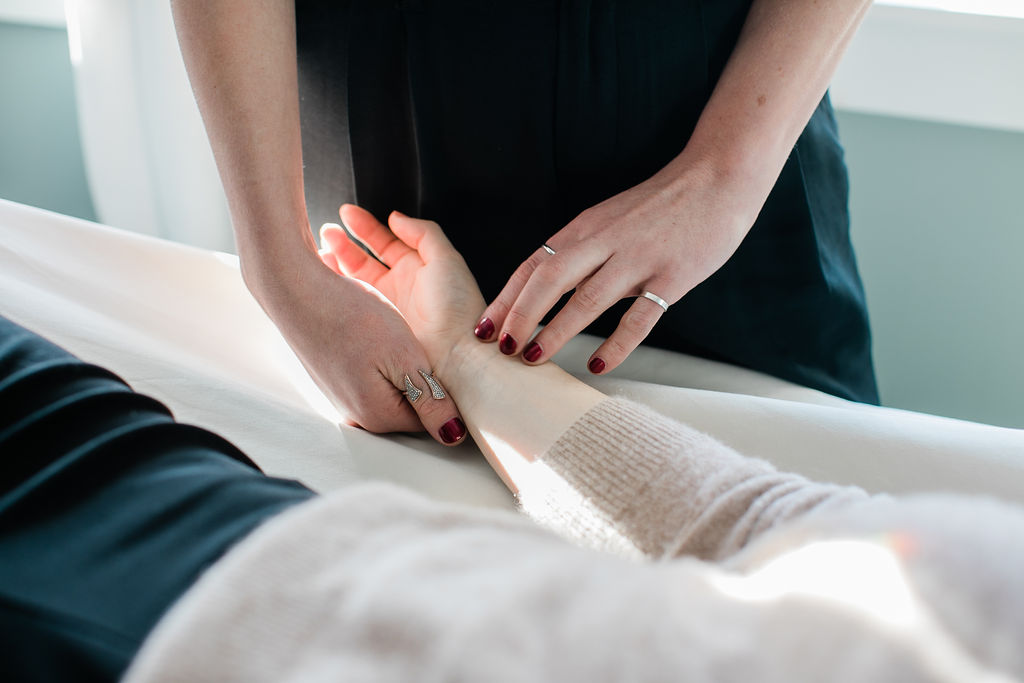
(422, 274)
(513, 411)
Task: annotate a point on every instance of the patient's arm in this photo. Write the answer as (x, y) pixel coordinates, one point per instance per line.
(432, 287)
(610, 473)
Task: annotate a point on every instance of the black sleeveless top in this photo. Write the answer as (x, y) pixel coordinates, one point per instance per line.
(503, 121)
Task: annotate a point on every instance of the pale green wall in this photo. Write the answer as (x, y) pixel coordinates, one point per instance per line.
(40, 152)
(938, 223)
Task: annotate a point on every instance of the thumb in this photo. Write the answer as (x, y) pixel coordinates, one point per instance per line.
(424, 236)
(426, 393)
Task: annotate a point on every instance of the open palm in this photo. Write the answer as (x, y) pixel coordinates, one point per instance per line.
(416, 269)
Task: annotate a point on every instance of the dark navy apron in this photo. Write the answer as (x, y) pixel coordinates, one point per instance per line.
(504, 120)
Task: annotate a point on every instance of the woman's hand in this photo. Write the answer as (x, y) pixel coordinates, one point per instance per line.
(357, 348)
(513, 412)
(664, 236)
(418, 271)
(671, 232)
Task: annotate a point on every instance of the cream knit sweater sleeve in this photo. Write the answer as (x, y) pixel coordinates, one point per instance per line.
(639, 482)
(375, 583)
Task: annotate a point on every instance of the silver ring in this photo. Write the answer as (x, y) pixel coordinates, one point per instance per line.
(411, 391)
(548, 249)
(656, 299)
(435, 387)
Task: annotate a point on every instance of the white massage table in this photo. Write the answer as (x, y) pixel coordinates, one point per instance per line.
(177, 323)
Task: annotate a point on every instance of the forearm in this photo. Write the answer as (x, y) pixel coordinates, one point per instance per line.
(240, 56)
(514, 412)
(614, 475)
(777, 74)
(644, 484)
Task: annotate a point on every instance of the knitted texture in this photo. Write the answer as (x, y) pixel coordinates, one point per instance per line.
(648, 485)
(375, 583)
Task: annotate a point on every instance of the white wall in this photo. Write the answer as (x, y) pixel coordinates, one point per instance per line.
(964, 67)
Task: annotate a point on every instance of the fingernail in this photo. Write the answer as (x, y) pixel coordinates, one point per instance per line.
(452, 430)
(399, 213)
(532, 352)
(484, 329)
(507, 344)
(596, 365)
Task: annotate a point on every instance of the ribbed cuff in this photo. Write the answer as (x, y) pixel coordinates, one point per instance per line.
(627, 479)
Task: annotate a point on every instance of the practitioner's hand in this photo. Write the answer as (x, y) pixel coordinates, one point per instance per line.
(430, 284)
(357, 348)
(422, 274)
(664, 236)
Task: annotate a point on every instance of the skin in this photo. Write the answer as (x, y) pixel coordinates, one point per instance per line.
(433, 288)
(240, 55)
(696, 210)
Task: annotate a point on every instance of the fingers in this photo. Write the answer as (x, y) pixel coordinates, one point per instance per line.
(434, 407)
(495, 314)
(634, 327)
(328, 258)
(368, 230)
(344, 255)
(592, 297)
(553, 277)
(533, 289)
(536, 287)
(426, 237)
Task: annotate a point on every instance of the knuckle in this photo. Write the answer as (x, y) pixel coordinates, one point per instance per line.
(525, 270)
(635, 324)
(427, 406)
(498, 310)
(515, 318)
(553, 270)
(614, 349)
(588, 300)
(433, 413)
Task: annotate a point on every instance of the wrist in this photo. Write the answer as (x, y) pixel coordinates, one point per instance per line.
(277, 265)
(462, 360)
(739, 166)
(272, 232)
(731, 197)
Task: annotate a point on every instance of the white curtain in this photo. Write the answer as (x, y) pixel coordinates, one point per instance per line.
(147, 157)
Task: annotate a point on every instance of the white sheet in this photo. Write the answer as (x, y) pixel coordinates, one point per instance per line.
(177, 323)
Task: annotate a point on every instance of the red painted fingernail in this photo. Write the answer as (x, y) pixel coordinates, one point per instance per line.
(533, 352)
(452, 430)
(507, 344)
(484, 329)
(596, 365)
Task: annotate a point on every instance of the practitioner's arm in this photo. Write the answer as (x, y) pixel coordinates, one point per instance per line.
(607, 472)
(669, 233)
(241, 61)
